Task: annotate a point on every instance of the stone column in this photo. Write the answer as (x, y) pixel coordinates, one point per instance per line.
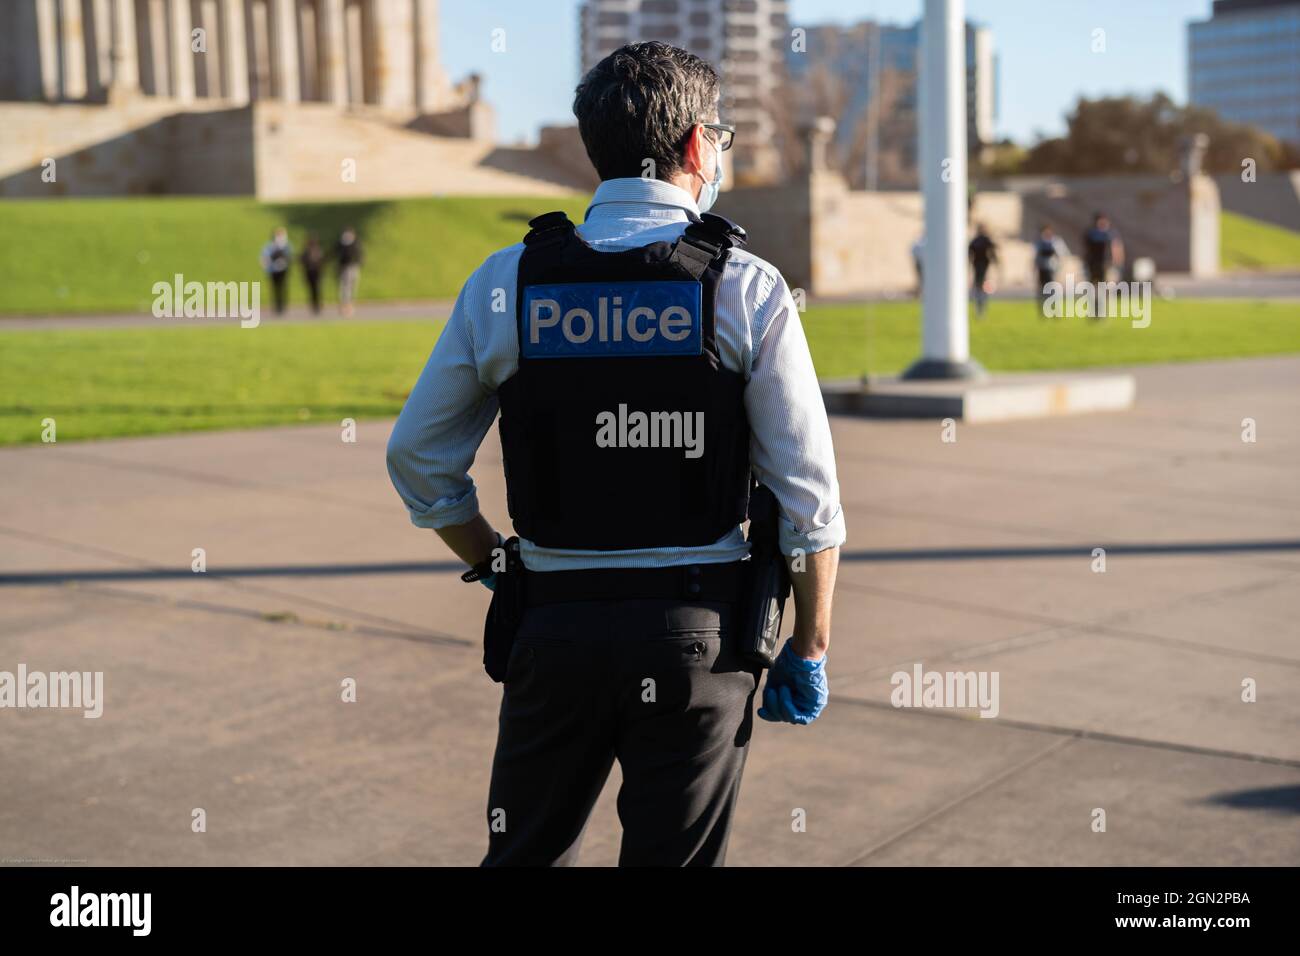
(394, 53)
(206, 62)
(817, 138)
(259, 31)
(234, 51)
(181, 54)
(357, 52)
(73, 37)
(99, 48)
(284, 50)
(124, 76)
(429, 80)
(309, 56)
(158, 72)
(333, 53)
(47, 56)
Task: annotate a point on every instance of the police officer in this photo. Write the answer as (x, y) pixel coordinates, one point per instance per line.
(644, 366)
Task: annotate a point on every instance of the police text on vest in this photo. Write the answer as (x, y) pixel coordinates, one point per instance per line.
(609, 319)
(626, 429)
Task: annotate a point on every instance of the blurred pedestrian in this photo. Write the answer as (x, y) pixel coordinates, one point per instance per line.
(277, 256)
(348, 254)
(1049, 252)
(918, 256)
(1102, 248)
(313, 261)
(983, 252)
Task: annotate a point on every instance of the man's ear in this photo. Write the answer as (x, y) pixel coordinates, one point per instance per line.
(694, 152)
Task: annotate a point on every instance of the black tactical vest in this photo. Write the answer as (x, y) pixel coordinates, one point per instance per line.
(622, 428)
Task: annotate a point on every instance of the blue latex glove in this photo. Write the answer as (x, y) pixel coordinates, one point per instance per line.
(796, 691)
(489, 582)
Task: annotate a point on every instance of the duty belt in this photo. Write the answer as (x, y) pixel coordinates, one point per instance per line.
(709, 583)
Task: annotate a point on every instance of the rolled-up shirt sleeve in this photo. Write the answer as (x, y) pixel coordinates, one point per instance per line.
(790, 444)
(448, 412)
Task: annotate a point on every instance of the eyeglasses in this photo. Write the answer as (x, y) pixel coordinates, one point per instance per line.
(725, 134)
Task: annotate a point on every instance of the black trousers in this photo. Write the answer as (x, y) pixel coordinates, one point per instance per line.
(279, 291)
(656, 685)
(313, 289)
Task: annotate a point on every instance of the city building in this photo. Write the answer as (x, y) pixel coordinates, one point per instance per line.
(865, 77)
(745, 41)
(1244, 62)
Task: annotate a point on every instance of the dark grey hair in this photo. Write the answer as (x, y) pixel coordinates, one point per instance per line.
(640, 103)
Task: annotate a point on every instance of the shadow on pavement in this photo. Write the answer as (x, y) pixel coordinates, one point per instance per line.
(1276, 799)
(426, 567)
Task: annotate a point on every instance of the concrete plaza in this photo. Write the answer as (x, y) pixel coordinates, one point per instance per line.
(1119, 691)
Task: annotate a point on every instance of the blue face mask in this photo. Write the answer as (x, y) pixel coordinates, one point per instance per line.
(709, 192)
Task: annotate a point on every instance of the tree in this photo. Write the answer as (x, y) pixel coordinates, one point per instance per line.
(1117, 135)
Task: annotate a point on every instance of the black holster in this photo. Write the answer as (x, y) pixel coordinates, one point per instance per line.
(504, 613)
(768, 583)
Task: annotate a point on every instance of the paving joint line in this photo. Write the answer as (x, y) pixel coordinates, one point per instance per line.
(1080, 733)
(1103, 627)
(953, 804)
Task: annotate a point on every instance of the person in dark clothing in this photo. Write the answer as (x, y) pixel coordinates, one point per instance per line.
(1049, 250)
(277, 256)
(983, 252)
(918, 257)
(1102, 248)
(625, 638)
(313, 261)
(348, 254)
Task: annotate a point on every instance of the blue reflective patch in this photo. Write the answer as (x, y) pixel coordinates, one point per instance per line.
(597, 319)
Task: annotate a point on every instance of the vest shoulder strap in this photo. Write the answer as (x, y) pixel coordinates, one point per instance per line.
(704, 241)
(734, 232)
(548, 229)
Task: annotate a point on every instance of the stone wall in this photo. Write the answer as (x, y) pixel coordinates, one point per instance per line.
(268, 149)
(778, 220)
(1170, 219)
(302, 151)
(144, 148)
(834, 241)
(1272, 198)
(562, 145)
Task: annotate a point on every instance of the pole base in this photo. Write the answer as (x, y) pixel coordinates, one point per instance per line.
(929, 369)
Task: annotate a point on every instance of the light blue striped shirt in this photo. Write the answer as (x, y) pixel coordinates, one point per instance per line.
(454, 403)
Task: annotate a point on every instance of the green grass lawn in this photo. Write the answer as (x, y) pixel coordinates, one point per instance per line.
(882, 338)
(1250, 244)
(136, 381)
(104, 255)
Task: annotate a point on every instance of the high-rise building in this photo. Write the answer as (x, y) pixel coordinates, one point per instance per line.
(1244, 62)
(865, 77)
(745, 41)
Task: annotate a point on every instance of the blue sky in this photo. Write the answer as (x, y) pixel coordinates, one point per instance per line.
(1044, 50)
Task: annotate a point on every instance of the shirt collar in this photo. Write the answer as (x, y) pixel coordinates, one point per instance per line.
(674, 201)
